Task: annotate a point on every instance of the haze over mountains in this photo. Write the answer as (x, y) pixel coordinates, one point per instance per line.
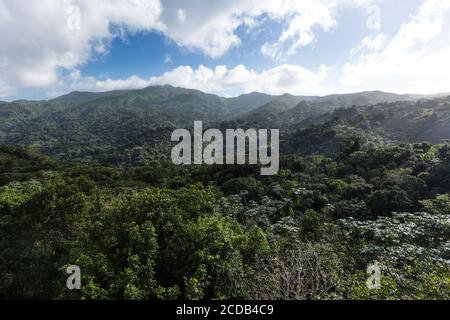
(134, 126)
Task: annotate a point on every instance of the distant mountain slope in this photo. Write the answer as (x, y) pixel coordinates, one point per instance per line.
(268, 115)
(83, 97)
(282, 103)
(287, 110)
(117, 126)
(425, 120)
(134, 126)
(366, 98)
(247, 102)
(96, 125)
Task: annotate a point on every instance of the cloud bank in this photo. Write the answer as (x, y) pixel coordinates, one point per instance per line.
(45, 43)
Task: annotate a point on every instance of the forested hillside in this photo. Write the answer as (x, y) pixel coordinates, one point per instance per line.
(86, 179)
(133, 127)
(375, 125)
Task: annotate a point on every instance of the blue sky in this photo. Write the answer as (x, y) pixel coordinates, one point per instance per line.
(144, 54)
(224, 47)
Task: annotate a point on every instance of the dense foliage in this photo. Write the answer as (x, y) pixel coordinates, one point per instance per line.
(133, 127)
(164, 232)
(356, 187)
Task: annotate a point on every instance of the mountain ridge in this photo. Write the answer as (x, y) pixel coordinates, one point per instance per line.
(71, 95)
(134, 126)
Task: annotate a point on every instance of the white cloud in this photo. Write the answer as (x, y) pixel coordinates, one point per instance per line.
(210, 26)
(37, 42)
(370, 43)
(416, 59)
(221, 80)
(40, 42)
(38, 49)
(299, 32)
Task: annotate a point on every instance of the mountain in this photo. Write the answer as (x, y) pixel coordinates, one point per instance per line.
(107, 126)
(247, 102)
(134, 126)
(267, 115)
(424, 120)
(287, 110)
(83, 97)
(365, 98)
(282, 103)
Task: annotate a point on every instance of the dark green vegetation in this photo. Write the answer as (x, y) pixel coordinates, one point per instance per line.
(132, 127)
(356, 185)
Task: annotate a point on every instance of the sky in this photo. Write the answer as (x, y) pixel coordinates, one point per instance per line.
(225, 47)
